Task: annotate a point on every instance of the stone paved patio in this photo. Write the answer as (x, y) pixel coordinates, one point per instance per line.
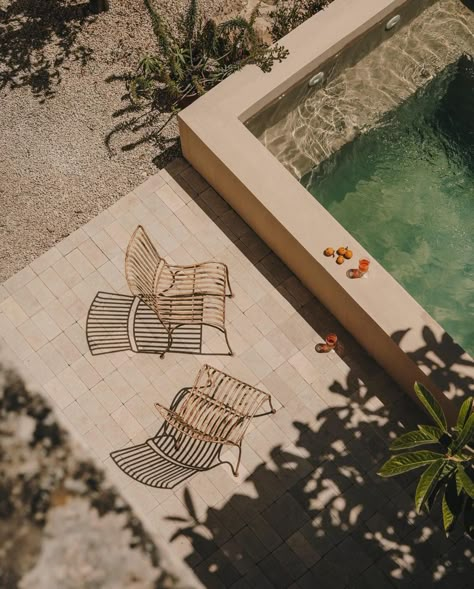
(307, 509)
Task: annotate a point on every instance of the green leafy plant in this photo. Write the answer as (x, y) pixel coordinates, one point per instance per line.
(197, 56)
(289, 14)
(449, 472)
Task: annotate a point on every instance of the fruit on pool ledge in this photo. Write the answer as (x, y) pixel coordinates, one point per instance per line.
(329, 251)
(348, 254)
(341, 251)
(340, 260)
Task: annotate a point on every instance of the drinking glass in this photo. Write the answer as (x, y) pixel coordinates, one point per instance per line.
(363, 266)
(361, 271)
(329, 344)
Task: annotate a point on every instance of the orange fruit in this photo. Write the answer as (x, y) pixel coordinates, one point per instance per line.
(348, 254)
(329, 251)
(341, 251)
(340, 260)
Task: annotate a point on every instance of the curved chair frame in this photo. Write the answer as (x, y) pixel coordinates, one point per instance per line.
(217, 409)
(179, 295)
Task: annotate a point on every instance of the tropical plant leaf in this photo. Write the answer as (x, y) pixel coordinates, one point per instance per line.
(427, 482)
(448, 515)
(431, 405)
(464, 413)
(434, 493)
(469, 517)
(465, 479)
(443, 438)
(414, 438)
(408, 461)
(459, 486)
(451, 505)
(432, 430)
(466, 435)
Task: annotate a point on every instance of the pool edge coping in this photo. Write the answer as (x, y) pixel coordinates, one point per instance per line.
(219, 146)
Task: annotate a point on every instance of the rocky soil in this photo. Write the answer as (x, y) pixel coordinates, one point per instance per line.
(64, 155)
(62, 526)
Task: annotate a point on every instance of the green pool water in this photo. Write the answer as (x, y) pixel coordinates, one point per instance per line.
(405, 190)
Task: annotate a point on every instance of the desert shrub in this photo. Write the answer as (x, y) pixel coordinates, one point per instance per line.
(198, 55)
(289, 14)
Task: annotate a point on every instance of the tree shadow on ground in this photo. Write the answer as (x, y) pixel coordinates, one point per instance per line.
(317, 514)
(37, 38)
(441, 357)
(320, 516)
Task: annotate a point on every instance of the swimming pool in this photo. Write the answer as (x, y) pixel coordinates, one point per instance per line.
(405, 191)
(384, 140)
(363, 81)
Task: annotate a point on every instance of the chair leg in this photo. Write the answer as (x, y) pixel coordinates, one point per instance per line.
(271, 405)
(230, 294)
(235, 470)
(231, 353)
(170, 343)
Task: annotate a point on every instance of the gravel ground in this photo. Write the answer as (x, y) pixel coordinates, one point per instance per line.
(60, 101)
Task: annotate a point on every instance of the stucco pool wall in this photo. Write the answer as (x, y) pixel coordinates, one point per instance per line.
(382, 316)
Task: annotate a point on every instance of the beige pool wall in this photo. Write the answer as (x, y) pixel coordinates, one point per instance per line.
(216, 142)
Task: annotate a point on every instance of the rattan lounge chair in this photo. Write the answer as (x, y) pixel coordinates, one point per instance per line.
(159, 463)
(217, 409)
(179, 295)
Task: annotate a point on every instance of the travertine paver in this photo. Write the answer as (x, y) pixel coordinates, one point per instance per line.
(307, 509)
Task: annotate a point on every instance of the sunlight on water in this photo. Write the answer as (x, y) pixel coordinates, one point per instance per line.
(353, 100)
(405, 190)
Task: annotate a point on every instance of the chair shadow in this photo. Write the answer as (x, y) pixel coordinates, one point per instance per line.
(160, 463)
(119, 322)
